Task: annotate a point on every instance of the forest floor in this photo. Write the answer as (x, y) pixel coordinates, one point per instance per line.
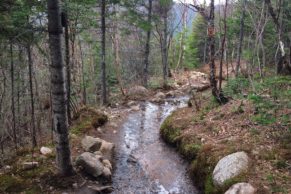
(255, 122)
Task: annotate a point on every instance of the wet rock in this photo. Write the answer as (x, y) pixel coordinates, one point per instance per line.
(107, 164)
(229, 167)
(170, 94)
(137, 91)
(98, 153)
(131, 103)
(135, 108)
(29, 165)
(160, 95)
(107, 149)
(91, 144)
(132, 159)
(90, 163)
(241, 188)
(45, 151)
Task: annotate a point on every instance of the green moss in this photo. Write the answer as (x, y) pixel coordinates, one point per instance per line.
(81, 127)
(169, 133)
(9, 183)
(189, 150)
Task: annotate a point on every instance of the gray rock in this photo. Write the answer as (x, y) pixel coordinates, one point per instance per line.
(106, 173)
(107, 164)
(107, 149)
(229, 167)
(90, 163)
(138, 91)
(241, 188)
(160, 95)
(91, 144)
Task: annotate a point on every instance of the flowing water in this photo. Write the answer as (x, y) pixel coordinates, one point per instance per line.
(144, 163)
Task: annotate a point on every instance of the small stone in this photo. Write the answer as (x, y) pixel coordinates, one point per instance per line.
(135, 108)
(241, 188)
(45, 151)
(29, 165)
(114, 132)
(160, 95)
(107, 164)
(107, 173)
(51, 188)
(7, 167)
(107, 149)
(75, 185)
(131, 103)
(98, 153)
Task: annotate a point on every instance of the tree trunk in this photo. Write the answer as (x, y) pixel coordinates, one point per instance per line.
(68, 65)
(83, 85)
(164, 49)
(211, 40)
(30, 66)
(103, 54)
(12, 96)
(147, 46)
(241, 37)
(222, 47)
(58, 89)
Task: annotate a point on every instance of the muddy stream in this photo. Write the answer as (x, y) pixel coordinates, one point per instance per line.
(144, 163)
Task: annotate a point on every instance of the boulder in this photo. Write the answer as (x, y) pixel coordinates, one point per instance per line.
(107, 149)
(229, 167)
(29, 165)
(90, 163)
(138, 91)
(241, 188)
(45, 151)
(91, 144)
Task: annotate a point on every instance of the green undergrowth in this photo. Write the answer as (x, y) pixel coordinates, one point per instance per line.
(18, 180)
(270, 96)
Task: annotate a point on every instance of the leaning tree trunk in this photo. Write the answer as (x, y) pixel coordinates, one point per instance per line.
(103, 54)
(147, 46)
(58, 89)
(165, 49)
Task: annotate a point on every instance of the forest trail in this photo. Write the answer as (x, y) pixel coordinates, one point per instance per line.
(144, 163)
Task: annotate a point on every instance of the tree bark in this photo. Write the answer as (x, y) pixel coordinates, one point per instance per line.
(30, 66)
(103, 54)
(59, 94)
(12, 95)
(241, 37)
(147, 46)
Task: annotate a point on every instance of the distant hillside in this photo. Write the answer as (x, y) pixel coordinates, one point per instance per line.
(177, 12)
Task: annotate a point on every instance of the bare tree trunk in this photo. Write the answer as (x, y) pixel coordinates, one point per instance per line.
(165, 49)
(182, 46)
(30, 66)
(241, 37)
(147, 45)
(12, 95)
(58, 89)
(222, 46)
(83, 86)
(68, 65)
(103, 54)
(211, 39)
